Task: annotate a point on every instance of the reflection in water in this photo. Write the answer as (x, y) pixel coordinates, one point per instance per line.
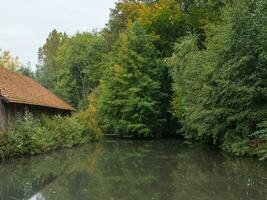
(134, 170)
(38, 196)
(205, 174)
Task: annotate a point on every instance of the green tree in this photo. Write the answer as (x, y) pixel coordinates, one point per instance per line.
(188, 75)
(26, 70)
(124, 13)
(131, 95)
(223, 95)
(49, 65)
(81, 58)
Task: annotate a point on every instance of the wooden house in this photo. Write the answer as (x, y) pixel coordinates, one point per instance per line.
(19, 93)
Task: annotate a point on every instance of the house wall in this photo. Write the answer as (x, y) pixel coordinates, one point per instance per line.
(12, 111)
(2, 116)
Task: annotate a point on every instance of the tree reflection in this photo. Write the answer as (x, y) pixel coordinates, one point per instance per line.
(126, 170)
(133, 170)
(205, 174)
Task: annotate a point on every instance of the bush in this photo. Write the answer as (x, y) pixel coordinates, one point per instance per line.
(3, 138)
(30, 136)
(255, 145)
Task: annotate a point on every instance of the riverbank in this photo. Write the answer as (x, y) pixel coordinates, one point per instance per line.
(30, 136)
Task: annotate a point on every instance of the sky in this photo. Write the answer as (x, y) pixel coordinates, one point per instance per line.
(25, 24)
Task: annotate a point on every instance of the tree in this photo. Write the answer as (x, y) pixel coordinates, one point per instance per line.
(27, 71)
(48, 54)
(130, 97)
(124, 13)
(48, 65)
(188, 74)
(9, 62)
(223, 95)
(81, 58)
(168, 20)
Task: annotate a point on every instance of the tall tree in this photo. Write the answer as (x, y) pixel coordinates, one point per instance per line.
(223, 95)
(130, 97)
(48, 65)
(121, 16)
(81, 58)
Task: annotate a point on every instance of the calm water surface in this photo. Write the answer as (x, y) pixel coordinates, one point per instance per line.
(121, 170)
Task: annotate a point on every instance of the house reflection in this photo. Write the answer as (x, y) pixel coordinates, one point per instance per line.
(38, 196)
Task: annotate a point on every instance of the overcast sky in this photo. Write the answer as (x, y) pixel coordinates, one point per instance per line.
(25, 24)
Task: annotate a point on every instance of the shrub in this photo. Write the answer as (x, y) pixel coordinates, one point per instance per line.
(29, 136)
(3, 138)
(255, 145)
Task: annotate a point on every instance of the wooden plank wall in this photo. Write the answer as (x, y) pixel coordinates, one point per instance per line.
(2, 116)
(9, 112)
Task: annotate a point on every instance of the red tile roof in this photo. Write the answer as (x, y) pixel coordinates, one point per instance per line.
(17, 88)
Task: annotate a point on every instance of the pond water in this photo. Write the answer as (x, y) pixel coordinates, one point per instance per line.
(121, 170)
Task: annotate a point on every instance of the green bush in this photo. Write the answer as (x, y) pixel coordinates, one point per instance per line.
(255, 145)
(3, 138)
(30, 136)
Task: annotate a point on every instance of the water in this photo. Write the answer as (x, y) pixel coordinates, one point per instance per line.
(134, 170)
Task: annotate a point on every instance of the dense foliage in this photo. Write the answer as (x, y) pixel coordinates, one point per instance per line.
(131, 92)
(8, 61)
(71, 66)
(197, 68)
(220, 92)
(29, 136)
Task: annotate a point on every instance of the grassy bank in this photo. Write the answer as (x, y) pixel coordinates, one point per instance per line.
(30, 136)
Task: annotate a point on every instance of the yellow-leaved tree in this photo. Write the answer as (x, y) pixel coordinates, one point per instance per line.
(8, 61)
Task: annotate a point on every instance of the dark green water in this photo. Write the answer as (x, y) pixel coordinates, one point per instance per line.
(111, 170)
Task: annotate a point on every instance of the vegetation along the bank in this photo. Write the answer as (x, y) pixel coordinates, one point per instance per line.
(30, 136)
(192, 68)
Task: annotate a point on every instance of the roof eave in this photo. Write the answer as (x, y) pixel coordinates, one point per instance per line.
(45, 106)
(4, 98)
